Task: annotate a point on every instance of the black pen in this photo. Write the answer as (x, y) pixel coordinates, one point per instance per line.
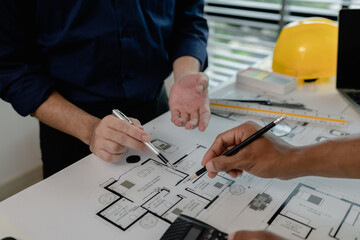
(149, 145)
(243, 144)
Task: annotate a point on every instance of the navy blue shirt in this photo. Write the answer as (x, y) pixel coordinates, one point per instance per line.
(94, 50)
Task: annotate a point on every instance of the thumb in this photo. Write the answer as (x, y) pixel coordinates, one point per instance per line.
(220, 164)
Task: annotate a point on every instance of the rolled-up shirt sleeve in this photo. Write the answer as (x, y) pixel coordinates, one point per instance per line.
(23, 83)
(190, 31)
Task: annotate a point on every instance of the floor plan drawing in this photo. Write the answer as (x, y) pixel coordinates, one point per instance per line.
(139, 199)
(149, 195)
(142, 195)
(309, 213)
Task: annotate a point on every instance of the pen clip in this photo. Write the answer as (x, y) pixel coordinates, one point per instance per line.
(122, 116)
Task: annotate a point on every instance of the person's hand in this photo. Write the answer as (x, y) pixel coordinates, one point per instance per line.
(253, 235)
(189, 101)
(265, 157)
(111, 137)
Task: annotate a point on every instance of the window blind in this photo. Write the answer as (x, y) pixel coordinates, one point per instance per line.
(244, 32)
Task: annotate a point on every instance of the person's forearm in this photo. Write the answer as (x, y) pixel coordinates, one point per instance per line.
(59, 113)
(332, 158)
(185, 65)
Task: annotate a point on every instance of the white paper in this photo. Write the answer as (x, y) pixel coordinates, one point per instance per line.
(93, 199)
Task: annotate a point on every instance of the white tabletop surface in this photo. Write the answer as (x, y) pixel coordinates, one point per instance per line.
(56, 207)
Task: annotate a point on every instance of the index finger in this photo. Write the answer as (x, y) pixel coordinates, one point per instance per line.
(229, 139)
(221, 143)
(225, 164)
(136, 123)
(130, 130)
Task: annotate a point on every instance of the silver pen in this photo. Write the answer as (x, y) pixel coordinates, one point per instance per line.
(117, 113)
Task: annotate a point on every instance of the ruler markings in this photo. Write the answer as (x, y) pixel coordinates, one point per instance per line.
(229, 106)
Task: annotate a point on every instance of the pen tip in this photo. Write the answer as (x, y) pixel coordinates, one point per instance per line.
(192, 177)
(280, 119)
(171, 166)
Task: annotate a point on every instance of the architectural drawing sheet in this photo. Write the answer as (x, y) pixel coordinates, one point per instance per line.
(151, 194)
(139, 197)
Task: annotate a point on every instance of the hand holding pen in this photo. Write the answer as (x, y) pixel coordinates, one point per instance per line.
(110, 138)
(148, 144)
(241, 148)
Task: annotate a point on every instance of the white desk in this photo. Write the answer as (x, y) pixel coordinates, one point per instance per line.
(67, 205)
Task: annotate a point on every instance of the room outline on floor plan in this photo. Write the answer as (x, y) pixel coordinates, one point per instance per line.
(309, 213)
(141, 194)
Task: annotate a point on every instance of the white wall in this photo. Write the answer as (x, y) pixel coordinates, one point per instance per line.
(20, 158)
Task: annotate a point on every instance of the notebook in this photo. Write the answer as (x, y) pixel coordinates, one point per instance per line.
(348, 59)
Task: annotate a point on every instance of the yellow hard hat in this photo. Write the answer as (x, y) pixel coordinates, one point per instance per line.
(307, 49)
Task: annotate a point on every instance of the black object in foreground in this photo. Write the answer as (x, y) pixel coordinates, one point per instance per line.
(188, 228)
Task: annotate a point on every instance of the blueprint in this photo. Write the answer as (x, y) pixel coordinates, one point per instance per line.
(149, 195)
(311, 213)
(139, 197)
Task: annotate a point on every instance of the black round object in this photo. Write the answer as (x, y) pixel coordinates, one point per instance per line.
(133, 159)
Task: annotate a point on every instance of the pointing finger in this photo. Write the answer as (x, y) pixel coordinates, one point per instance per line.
(222, 164)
